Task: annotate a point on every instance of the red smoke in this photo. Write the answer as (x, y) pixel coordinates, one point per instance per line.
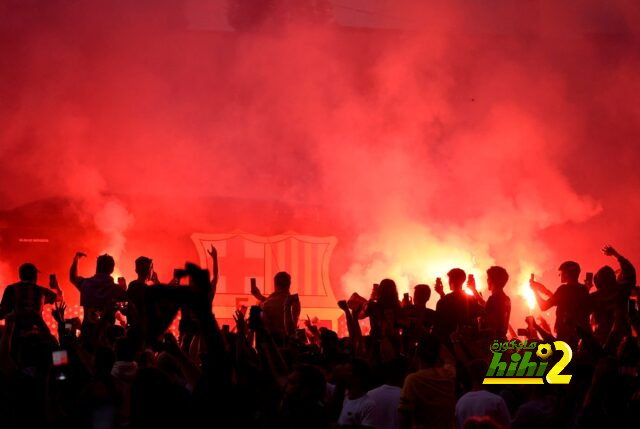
(456, 135)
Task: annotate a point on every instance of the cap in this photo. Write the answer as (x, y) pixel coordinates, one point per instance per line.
(28, 271)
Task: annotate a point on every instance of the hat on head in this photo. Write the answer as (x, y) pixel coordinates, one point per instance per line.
(28, 271)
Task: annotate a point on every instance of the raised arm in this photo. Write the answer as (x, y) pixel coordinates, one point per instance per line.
(538, 290)
(355, 333)
(627, 270)
(214, 279)
(73, 271)
(471, 284)
(256, 292)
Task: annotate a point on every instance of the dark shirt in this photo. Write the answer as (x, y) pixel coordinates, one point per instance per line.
(135, 294)
(25, 296)
(453, 310)
(572, 309)
(498, 310)
(98, 291)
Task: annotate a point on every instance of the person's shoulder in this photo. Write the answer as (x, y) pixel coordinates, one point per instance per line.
(45, 290)
(411, 378)
(136, 284)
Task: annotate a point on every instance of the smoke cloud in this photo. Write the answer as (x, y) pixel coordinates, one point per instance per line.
(451, 135)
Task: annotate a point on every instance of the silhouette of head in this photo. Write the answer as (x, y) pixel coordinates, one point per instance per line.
(421, 295)
(143, 267)
(307, 383)
(477, 371)
(388, 294)
(569, 272)
(497, 278)
(124, 350)
(359, 374)
(282, 281)
(428, 350)
(28, 272)
(605, 277)
(456, 278)
(105, 264)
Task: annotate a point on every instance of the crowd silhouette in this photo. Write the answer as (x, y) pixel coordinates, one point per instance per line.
(120, 367)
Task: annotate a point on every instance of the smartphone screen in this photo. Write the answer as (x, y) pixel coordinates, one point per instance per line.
(60, 357)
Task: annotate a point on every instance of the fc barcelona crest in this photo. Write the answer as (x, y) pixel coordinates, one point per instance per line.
(244, 256)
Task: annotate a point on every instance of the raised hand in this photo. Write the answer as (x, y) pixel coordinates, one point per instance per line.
(531, 322)
(254, 289)
(80, 255)
(342, 304)
(471, 283)
(213, 252)
(534, 285)
(439, 288)
(544, 324)
(241, 324)
(58, 311)
(610, 251)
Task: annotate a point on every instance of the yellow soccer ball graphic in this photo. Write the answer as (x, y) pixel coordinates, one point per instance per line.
(544, 351)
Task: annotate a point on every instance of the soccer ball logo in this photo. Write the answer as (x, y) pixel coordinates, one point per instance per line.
(544, 351)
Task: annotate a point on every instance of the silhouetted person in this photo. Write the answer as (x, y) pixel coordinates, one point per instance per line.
(498, 307)
(26, 294)
(137, 289)
(384, 312)
(609, 301)
(302, 401)
(456, 308)
(428, 396)
(98, 291)
(420, 318)
(571, 300)
(358, 409)
(387, 396)
(275, 306)
(479, 402)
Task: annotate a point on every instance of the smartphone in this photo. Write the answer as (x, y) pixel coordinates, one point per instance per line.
(225, 329)
(60, 361)
(523, 332)
(53, 281)
(60, 357)
(122, 282)
(68, 328)
(295, 297)
(588, 281)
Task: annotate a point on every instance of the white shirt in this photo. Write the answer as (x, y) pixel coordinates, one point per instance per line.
(482, 403)
(387, 399)
(361, 411)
